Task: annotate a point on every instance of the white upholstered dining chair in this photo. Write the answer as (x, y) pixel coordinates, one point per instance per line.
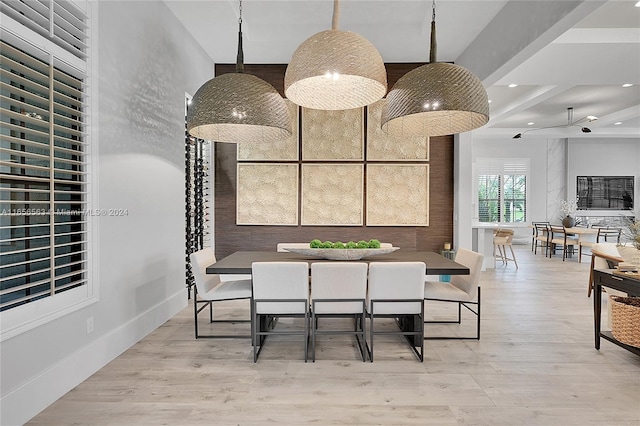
(461, 289)
(396, 290)
(280, 289)
(338, 289)
(210, 289)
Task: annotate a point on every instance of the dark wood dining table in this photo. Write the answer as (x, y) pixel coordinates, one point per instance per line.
(240, 261)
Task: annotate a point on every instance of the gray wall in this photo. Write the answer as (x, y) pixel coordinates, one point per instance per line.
(145, 64)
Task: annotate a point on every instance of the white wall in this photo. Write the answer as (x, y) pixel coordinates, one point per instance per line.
(146, 63)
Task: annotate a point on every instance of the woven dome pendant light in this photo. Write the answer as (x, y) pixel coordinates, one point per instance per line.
(335, 70)
(436, 99)
(238, 107)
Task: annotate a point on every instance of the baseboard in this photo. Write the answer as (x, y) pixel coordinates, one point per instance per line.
(25, 402)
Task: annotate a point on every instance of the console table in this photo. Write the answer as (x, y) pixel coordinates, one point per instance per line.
(606, 278)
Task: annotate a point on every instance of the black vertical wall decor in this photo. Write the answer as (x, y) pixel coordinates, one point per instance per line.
(196, 201)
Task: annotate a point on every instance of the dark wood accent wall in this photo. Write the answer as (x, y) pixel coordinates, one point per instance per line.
(230, 237)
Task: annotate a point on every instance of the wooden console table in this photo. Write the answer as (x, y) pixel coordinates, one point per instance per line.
(606, 278)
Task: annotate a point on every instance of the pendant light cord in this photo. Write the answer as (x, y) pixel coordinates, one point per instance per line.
(434, 47)
(240, 57)
(336, 14)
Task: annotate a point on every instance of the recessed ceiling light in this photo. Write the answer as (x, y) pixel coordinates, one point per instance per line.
(513, 85)
(627, 85)
(531, 123)
(638, 4)
(490, 101)
(617, 123)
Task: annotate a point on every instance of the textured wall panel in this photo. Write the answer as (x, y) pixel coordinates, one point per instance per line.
(267, 194)
(389, 146)
(397, 195)
(332, 194)
(332, 135)
(285, 149)
(231, 237)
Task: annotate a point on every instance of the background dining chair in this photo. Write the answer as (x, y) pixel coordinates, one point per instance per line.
(210, 289)
(609, 235)
(503, 239)
(339, 289)
(280, 289)
(396, 290)
(560, 238)
(541, 234)
(462, 289)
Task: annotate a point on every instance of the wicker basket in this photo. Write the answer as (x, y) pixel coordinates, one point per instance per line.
(625, 319)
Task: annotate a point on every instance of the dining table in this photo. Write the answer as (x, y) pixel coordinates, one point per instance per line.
(240, 262)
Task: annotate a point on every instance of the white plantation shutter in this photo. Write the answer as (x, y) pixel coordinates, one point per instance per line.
(43, 161)
(60, 21)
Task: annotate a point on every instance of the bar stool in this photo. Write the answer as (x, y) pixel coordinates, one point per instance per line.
(503, 238)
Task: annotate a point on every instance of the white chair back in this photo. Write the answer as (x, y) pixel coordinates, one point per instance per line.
(396, 280)
(468, 283)
(199, 262)
(338, 280)
(280, 280)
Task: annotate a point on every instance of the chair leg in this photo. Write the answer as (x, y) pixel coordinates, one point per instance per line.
(195, 312)
(306, 336)
(314, 325)
(371, 339)
(254, 333)
(363, 332)
(513, 255)
(478, 319)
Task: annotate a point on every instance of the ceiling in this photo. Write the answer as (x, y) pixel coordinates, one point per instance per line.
(560, 53)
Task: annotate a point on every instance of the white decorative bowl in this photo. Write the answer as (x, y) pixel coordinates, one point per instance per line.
(342, 254)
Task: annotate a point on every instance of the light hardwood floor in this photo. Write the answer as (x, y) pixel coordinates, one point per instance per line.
(534, 365)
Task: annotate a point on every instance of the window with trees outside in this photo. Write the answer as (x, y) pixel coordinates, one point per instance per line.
(502, 190)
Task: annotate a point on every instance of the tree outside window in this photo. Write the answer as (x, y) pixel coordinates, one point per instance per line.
(502, 198)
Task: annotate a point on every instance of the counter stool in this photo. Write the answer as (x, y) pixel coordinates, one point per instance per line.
(503, 238)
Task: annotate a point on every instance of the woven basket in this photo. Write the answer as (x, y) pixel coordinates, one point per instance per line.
(625, 319)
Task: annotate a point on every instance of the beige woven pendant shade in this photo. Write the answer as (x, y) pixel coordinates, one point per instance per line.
(334, 70)
(238, 107)
(434, 100)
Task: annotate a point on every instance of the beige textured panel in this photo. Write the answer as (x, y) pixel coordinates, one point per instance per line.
(277, 150)
(332, 194)
(267, 194)
(333, 135)
(391, 145)
(397, 195)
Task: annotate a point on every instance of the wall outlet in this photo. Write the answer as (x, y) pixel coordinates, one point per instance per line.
(89, 325)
